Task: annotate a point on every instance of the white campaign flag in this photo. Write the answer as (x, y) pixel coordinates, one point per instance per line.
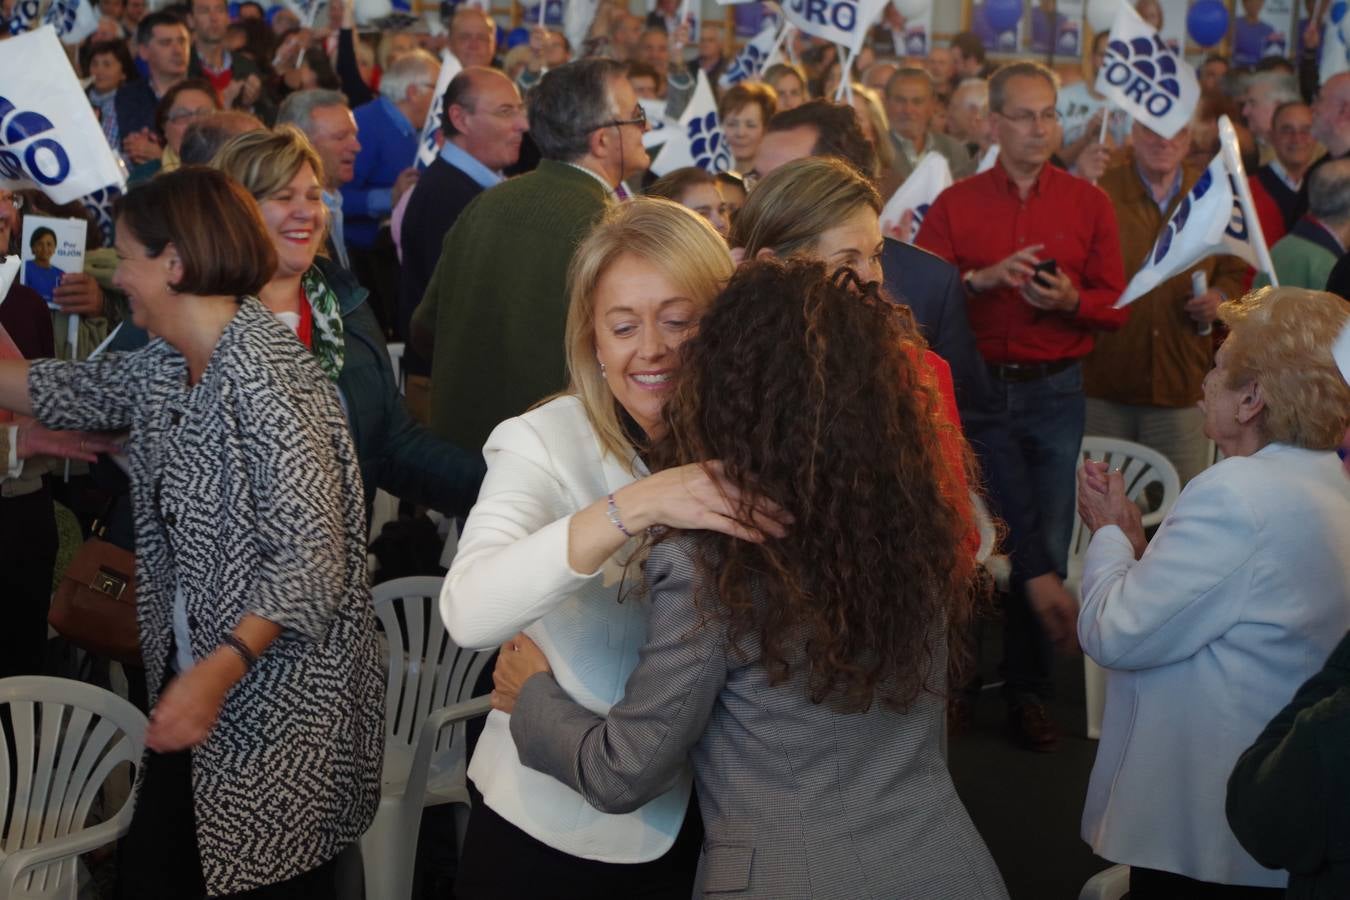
(74, 20)
(696, 140)
(578, 15)
(1145, 77)
(1340, 351)
(49, 138)
(751, 62)
(1335, 51)
(987, 161)
(1216, 217)
(659, 125)
(426, 144)
(843, 22)
(930, 177)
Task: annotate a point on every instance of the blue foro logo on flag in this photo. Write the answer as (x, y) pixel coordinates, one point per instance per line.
(27, 148)
(707, 145)
(24, 15)
(1237, 222)
(746, 65)
(1179, 217)
(1146, 70)
(99, 205)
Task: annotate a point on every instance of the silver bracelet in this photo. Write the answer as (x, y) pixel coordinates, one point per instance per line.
(612, 510)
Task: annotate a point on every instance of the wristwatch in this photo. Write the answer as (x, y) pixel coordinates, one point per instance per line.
(968, 281)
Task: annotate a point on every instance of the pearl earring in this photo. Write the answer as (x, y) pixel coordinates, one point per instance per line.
(602, 367)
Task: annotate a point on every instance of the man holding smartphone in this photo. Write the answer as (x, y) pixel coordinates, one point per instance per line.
(1143, 381)
(1040, 258)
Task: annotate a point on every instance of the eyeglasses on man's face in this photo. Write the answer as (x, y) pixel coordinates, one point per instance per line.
(639, 119)
(1023, 118)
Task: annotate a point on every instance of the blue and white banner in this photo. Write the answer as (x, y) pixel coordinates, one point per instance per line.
(1335, 47)
(659, 125)
(552, 12)
(99, 205)
(49, 138)
(697, 139)
(751, 62)
(74, 20)
(1145, 77)
(427, 148)
(307, 10)
(577, 18)
(24, 16)
(1216, 217)
(842, 22)
(930, 177)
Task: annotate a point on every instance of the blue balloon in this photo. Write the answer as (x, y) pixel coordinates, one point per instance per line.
(517, 36)
(1002, 15)
(1207, 22)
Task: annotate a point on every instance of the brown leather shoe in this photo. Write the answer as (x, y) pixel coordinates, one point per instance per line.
(1031, 728)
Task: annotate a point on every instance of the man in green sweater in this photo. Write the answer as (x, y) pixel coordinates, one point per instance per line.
(492, 318)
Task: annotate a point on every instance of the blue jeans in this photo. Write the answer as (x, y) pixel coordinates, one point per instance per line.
(1046, 416)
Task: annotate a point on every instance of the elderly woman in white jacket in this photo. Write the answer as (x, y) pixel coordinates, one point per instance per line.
(544, 551)
(1243, 592)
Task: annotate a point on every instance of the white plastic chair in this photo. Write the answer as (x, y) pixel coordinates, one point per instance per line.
(429, 680)
(68, 738)
(1140, 466)
(1108, 884)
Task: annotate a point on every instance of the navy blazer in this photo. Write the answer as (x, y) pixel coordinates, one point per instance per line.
(441, 193)
(931, 287)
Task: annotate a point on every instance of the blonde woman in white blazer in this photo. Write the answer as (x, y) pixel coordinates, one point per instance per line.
(1238, 599)
(544, 551)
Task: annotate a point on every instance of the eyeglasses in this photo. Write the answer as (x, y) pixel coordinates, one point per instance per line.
(1024, 118)
(639, 118)
(182, 115)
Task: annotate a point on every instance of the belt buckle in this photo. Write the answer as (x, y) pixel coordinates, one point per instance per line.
(110, 583)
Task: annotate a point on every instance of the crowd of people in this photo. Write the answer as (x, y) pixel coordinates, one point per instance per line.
(717, 450)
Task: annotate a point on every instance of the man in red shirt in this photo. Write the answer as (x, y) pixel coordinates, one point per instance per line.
(1033, 326)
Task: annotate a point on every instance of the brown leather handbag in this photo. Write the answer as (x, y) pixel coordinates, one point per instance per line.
(94, 606)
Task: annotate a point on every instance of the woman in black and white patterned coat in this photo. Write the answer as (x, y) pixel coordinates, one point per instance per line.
(266, 732)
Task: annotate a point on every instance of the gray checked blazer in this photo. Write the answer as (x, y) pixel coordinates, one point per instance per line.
(798, 800)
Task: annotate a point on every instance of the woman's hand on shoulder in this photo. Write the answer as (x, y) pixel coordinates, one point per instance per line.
(519, 660)
(699, 496)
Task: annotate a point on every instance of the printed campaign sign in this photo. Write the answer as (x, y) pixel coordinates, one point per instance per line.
(930, 177)
(1056, 28)
(577, 18)
(1144, 77)
(697, 139)
(1265, 34)
(50, 248)
(843, 22)
(1335, 47)
(427, 148)
(49, 138)
(23, 17)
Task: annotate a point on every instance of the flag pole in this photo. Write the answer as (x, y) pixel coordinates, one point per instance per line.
(1106, 122)
(783, 32)
(1232, 158)
(845, 88)
(543, 12)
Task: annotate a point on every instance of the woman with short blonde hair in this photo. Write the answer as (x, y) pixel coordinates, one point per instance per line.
(545, 549)
(1237, 601)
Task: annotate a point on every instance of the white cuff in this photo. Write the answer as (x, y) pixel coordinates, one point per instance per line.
(13, 465)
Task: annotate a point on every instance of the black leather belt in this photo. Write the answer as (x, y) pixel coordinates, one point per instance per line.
(1028, 371)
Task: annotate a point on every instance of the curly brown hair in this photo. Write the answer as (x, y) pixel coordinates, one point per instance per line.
(812, 392)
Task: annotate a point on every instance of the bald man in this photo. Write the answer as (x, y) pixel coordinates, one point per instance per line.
(473, 37)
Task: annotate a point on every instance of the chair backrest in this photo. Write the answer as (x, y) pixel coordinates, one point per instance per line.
(61, 741)
(1141, 467)
(426, 669)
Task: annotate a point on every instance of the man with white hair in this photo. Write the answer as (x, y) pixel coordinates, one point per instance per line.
(1266, 92)
(389, 128)
(968, 116)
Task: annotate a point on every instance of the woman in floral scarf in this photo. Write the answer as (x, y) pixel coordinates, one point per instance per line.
(325, 306)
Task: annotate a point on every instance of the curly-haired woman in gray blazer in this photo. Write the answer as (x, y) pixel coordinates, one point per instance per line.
(266, 727)
(803, 677)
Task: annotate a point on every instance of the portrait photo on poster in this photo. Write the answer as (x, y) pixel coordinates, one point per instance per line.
(50, 248)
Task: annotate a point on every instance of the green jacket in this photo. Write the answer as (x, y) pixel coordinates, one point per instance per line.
(1303, 258)
(492, 318)
(1289, 794)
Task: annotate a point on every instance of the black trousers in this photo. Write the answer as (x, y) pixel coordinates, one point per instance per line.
(1150, 884)
(501, 862)
(159, 860)
(27, 556)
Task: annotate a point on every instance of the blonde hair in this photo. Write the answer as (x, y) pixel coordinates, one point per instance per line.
(663, 234)
(1281, 338)
(881, 126)
(264, 162)
(794, 204)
